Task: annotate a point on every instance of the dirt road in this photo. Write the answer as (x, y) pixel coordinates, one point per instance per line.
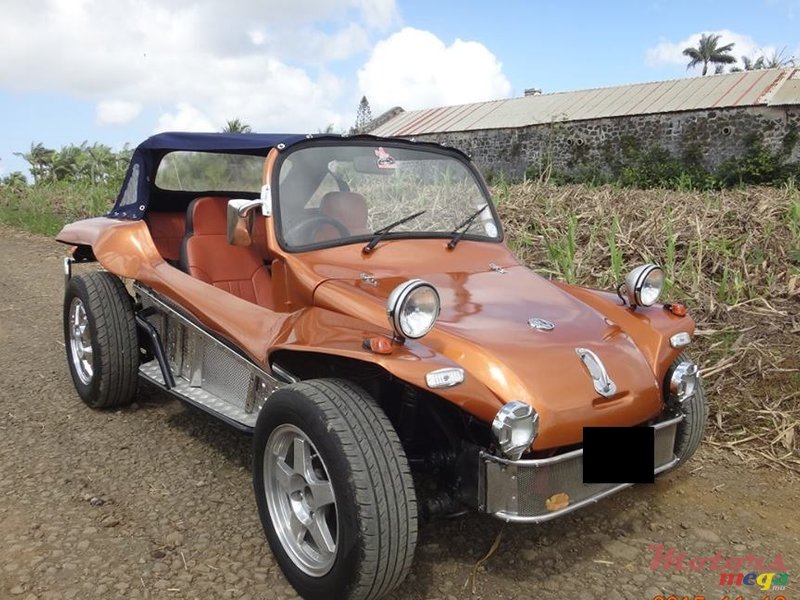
(155, 501)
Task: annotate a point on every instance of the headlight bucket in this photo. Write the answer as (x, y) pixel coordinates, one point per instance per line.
(684, 380)
(412, 308)
(643, 285)
(514, 428)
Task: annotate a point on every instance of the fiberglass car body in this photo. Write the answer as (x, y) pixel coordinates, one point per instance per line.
(350, 301)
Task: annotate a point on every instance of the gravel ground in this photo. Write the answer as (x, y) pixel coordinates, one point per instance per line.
(155, 501)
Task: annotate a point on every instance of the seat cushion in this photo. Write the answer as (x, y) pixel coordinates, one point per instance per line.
(207, 255)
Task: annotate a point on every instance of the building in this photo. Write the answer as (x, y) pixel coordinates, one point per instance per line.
(709, 119)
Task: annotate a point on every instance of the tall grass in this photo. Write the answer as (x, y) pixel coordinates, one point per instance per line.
(733, 256)
(46, 208)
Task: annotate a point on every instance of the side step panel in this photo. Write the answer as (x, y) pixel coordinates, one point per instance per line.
(207, 373)
(198, 397)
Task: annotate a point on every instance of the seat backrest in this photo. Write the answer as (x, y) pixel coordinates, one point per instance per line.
(349, 208)
(167, 230)
(207, 255)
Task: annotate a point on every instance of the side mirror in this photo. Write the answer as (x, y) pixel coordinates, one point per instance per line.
(241, 216)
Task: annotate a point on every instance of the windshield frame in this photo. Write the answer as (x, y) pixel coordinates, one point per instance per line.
(453, 153)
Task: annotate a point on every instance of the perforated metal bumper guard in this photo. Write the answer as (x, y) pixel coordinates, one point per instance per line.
(518, 490)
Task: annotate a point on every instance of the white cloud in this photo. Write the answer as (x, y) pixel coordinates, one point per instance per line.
(667, 53)
(117, 112)
(185, 118)
(415, 69)
(198, 62)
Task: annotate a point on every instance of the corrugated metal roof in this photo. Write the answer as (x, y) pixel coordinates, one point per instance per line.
(749, 88)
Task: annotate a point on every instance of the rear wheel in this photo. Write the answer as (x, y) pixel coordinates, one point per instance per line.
(334, 491)
(100, 339)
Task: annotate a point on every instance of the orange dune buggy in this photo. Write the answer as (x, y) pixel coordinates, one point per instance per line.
(350, 302)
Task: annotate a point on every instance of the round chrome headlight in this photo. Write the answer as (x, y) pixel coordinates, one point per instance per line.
(683, 381)
(514, 428)
(644, 284)
(412, 308)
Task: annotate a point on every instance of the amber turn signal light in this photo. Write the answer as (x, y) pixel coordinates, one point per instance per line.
(676, 308)
(379, 344)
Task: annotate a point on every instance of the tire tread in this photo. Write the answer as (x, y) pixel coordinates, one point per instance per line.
(109, 308)
(380, 479)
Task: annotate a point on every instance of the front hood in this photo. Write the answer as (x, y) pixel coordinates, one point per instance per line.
(485, 320)
(484, 328)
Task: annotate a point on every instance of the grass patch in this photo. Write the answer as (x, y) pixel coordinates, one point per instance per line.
(47, 208)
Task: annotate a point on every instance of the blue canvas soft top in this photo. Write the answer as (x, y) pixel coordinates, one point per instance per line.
(138, 193)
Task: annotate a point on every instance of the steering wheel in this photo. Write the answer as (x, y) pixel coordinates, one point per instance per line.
(304, 232)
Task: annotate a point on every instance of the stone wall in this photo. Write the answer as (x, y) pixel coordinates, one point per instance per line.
(711, 136)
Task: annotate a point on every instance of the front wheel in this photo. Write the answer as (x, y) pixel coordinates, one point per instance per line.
(695, 414)
(100, 339)
(334, 491)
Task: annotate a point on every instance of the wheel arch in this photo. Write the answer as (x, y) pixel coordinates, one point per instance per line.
(405, 403)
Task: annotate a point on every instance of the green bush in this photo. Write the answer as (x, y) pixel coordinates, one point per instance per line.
(626, 164)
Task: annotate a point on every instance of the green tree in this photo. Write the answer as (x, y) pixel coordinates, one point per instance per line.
(67, 163)
(15, 179)
(363, 116)
(236, 126)
(777, 60)
(40, 159)
(708, 51)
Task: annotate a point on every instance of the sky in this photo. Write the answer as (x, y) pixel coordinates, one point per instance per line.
(117, 71)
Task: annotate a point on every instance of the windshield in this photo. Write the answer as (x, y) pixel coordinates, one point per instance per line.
(331, 195)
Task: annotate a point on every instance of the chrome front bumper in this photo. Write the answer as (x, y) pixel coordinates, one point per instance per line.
(518, 490)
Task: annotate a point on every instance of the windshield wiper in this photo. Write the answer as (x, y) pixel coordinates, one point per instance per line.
(381, 233)
(461, 230)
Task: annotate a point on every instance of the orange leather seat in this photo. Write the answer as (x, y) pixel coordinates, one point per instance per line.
(167, 230)
(207, 255)
(349, 208)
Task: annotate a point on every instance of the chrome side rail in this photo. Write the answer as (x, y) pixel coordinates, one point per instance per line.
(207, 372)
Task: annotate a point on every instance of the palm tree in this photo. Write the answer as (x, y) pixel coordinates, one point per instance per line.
(236, 126)
(15, 179)
(749, 64)
(40, 159)
(709, 52)
(778, 60)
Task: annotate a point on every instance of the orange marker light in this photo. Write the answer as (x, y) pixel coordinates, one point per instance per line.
(379, 344)
(677, 308)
